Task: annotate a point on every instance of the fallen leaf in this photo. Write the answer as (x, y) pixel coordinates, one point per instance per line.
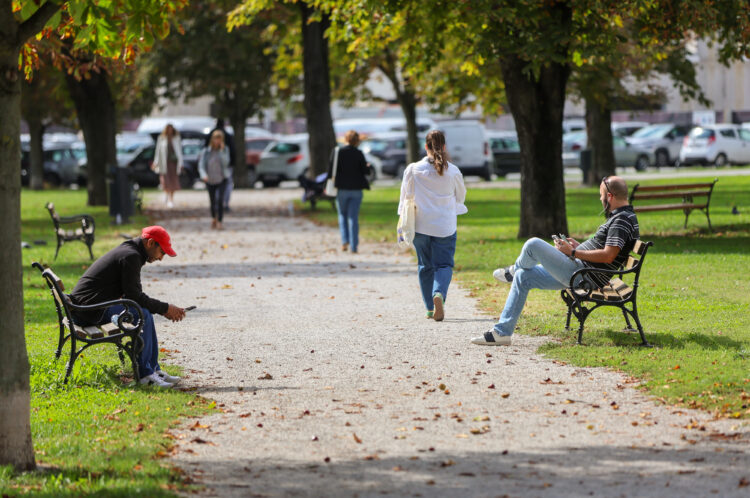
(357, 438)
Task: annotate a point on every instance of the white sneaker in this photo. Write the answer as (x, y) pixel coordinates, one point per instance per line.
(505, 274)
(170, 204)
(172, 379)
(155, 380)
(492, 338)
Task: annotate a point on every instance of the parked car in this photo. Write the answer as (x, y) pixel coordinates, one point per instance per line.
(662, 142)
(468, 147)
(191, 149)
(627, 128)
(390, 148)
(573, 124)
(718, 144)
(505, 151)
(289, 157)
(60, 164)
(626, 155)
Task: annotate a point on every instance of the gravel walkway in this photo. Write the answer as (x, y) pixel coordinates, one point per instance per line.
(331, 383)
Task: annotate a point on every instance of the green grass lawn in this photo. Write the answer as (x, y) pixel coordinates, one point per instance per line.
(694, 299)
(97, 434)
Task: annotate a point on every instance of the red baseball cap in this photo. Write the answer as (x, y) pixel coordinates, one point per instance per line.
(161, 237)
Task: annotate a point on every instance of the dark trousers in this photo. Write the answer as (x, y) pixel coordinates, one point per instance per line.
(216, 198)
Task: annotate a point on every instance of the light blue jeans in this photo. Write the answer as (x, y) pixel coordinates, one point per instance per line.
(435, 265)
(540, 266)
(347, 204)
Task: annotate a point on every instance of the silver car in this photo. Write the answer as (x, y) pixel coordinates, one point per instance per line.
(625, 154)
(662, 142)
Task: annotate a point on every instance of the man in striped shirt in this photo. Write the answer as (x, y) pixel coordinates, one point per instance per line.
(542, 266)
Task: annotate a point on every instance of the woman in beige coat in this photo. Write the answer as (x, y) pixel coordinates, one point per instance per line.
(168, 162)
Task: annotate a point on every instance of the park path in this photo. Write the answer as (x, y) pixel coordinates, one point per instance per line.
(329, 381)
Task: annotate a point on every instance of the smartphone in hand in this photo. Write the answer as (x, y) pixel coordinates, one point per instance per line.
(190, 308)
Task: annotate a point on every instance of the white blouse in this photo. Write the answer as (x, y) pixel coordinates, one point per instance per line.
(439, 199)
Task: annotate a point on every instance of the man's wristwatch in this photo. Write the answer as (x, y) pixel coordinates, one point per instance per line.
(573, 254)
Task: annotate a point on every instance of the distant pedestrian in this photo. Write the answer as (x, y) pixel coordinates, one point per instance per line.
(168, 162)
(213, 168)
(351, 178)
(438, 190)
(229, 142)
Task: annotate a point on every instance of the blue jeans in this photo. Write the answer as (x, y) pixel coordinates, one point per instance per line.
(435, 265)
(540, 266)
(148, 360)
(348, 203)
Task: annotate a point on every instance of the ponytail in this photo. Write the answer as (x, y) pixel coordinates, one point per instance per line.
(435, 142)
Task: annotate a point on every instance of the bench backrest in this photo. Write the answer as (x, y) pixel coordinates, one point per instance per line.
(56, 287)
(636, 258)
(684, 190)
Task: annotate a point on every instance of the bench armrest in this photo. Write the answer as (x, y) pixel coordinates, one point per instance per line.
(583, 271)
(125, 321)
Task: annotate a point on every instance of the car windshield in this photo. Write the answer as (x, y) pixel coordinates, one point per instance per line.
(191, 149)
(284, 148)
(257, 144)
(701, 133)
(652, 131)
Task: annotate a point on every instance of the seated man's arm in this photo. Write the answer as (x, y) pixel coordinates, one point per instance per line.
(606, 255)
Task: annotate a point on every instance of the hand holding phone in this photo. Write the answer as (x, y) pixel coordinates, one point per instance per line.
(189, 308)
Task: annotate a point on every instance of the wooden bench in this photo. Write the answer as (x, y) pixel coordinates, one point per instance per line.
(125, 335)
(584, 299)
(83, 231)
(687, 192)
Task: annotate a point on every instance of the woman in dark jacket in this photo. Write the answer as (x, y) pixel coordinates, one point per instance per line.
(351, 178)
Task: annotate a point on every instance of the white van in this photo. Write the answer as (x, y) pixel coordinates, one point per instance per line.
(468, 147)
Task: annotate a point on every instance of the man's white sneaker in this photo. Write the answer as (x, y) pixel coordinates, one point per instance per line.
(505, 274)
(155, 380)
(172, 379)
(492, 338)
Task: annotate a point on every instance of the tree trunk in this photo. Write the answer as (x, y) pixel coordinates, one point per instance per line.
(15, 430)
(96, 115)
(599, 126)
(36, 153)
(238, 118)
(408, 102)
(537, 108)
(317, 90)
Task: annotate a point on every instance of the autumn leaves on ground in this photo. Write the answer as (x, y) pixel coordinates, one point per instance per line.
(322, 377)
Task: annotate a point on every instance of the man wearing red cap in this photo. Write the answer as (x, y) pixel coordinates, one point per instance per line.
(117, 275)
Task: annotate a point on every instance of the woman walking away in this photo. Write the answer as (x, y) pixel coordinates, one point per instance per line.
(350, 179)
(168, 162)
(213, 168)
(437, 188)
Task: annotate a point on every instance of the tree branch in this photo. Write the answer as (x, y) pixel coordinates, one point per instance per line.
(36, 22)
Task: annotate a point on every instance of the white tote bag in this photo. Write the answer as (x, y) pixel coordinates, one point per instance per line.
(405, 228)
(331, 189)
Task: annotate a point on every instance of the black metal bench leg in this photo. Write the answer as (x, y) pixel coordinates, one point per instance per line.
(60, 342)
(567, 320)
(710, 228)
(91, 254)
(640, 328)
(629, 326)
(58, 248)
(71, 361)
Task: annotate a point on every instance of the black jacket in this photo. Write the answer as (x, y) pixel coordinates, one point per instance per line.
(115, 275)
(352, 169)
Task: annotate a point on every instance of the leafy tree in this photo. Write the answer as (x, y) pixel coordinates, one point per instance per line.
(315, 68)
(536, 45)
(106, 30)
(234, 67)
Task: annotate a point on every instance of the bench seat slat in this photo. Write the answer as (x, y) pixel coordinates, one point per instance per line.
(669, 195)
(668, 207)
